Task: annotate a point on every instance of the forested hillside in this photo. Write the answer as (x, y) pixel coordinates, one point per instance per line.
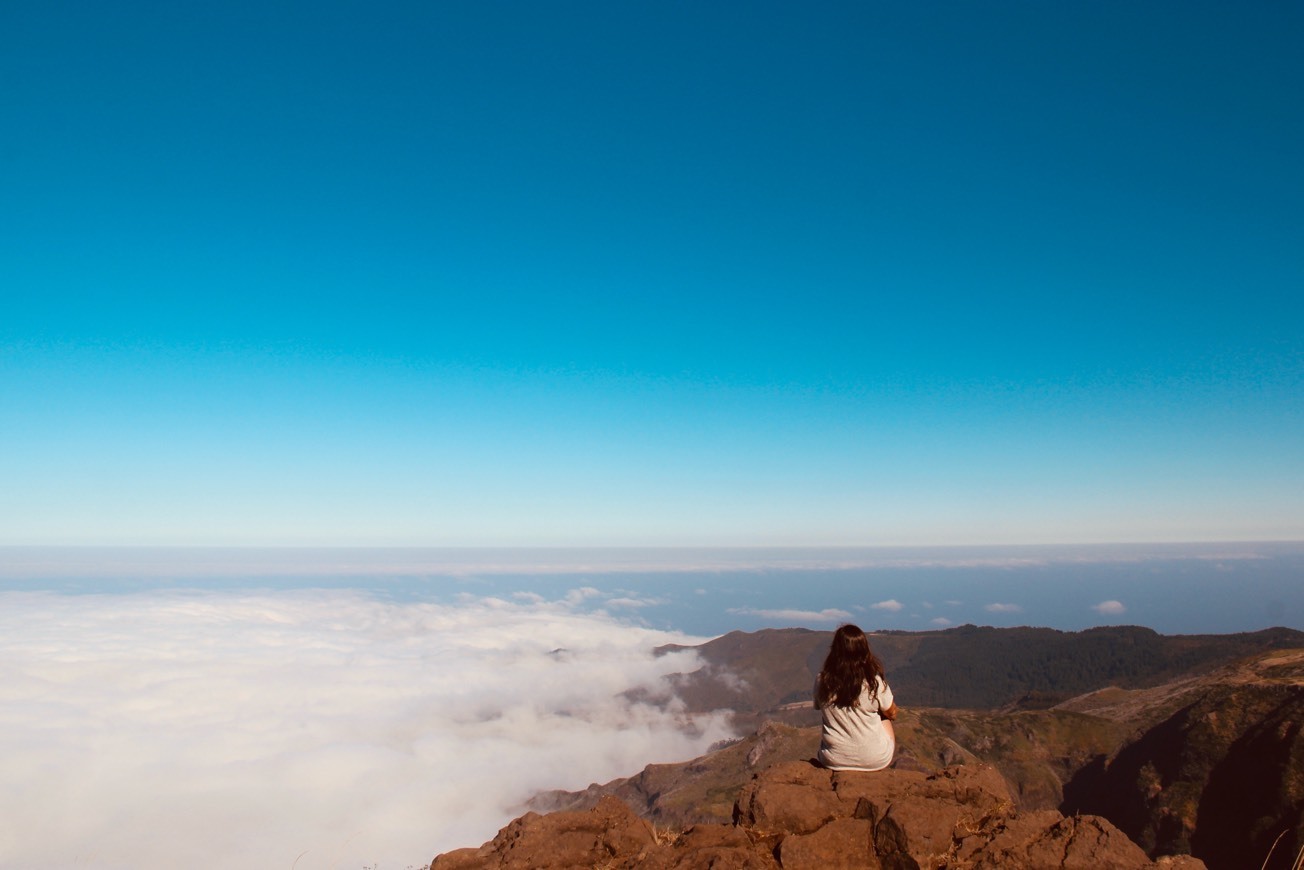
(969, 666)
(978, 667)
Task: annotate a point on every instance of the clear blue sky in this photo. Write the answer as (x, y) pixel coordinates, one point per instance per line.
(650, 273)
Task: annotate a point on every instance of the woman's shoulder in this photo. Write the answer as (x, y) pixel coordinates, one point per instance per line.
(879, 690)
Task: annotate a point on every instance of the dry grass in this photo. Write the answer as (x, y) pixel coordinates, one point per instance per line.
(1299, 857)
(666, 836)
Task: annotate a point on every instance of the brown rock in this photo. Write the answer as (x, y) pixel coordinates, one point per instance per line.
(712, 847)
(1179, 862)
(930, 809)
(842, 843)
(699, 791)
(1047, 839)
(793, 798)
(892, 845)
(460, 859)
(796, 816)
(609, 835)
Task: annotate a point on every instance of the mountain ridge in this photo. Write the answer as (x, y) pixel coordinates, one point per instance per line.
(758, 674)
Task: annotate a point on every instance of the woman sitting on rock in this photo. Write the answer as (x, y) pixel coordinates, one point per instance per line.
(856, 704)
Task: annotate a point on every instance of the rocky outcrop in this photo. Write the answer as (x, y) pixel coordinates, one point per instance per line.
(680, 794)
(797, 815)
(607, 835)
(1036, 752)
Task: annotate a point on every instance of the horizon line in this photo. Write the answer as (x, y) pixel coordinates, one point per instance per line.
(1159, 542)
(35, 561)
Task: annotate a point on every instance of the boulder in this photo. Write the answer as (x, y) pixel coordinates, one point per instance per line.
(1048, 839)
(711, 847)
(609, 835)
(792, 798)
(842, 844)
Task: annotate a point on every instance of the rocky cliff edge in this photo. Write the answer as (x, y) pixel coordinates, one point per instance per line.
(797, 815)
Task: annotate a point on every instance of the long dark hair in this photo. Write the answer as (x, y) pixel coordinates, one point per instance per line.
(848, 666)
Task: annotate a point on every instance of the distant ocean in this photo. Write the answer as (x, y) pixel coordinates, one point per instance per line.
(1172, 588)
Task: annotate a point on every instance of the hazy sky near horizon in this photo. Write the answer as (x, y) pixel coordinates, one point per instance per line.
(650, 274)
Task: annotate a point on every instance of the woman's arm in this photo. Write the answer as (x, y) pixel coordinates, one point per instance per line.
(887, 716)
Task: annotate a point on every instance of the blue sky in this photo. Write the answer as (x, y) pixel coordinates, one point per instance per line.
(650, 274)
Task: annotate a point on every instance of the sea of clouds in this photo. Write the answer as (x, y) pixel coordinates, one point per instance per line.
(311, 728)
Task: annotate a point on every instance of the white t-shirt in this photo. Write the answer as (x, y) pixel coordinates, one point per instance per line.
(854, 738)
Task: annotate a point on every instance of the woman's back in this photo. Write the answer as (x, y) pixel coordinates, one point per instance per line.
(857, 737)
(856, 705)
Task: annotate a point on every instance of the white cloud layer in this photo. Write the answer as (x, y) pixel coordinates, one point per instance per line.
(891, 604)
(1003, 608)
(309, 729)
(1109, 608)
